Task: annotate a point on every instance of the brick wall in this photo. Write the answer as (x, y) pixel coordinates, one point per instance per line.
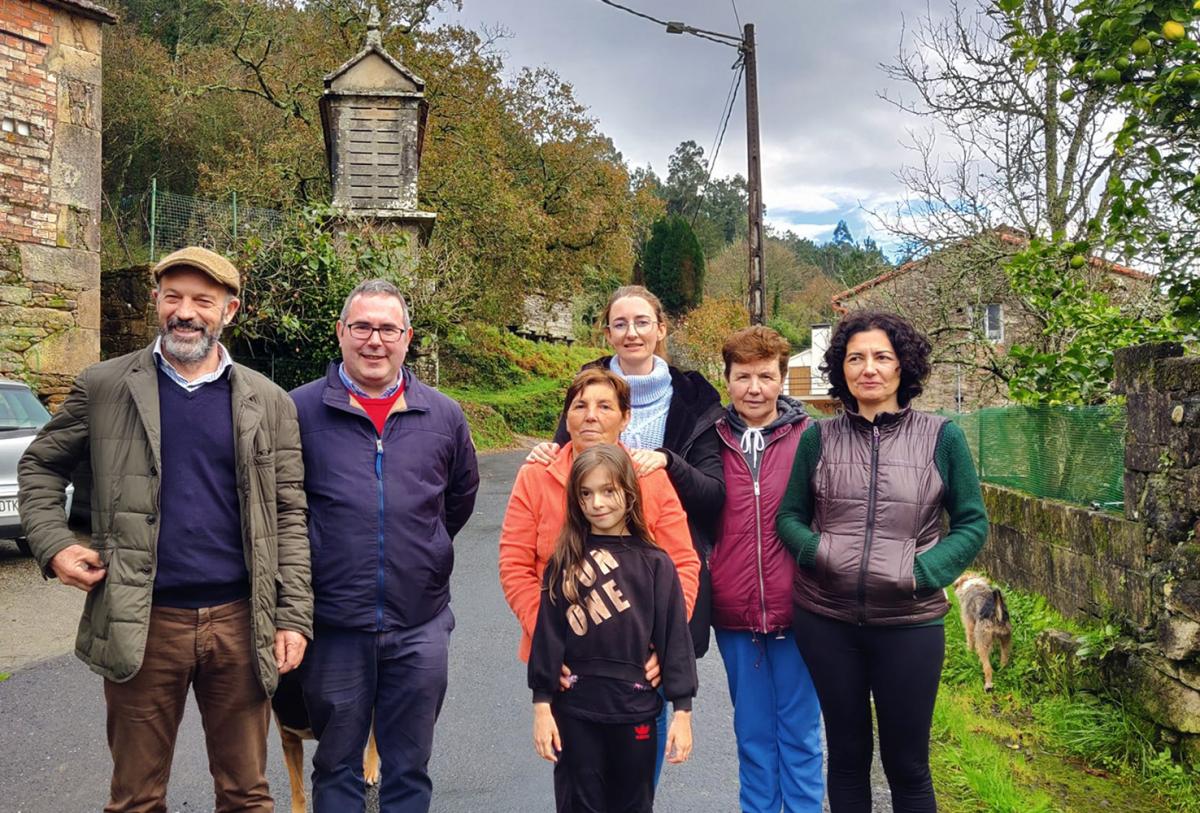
(49, 194)
(28, 96)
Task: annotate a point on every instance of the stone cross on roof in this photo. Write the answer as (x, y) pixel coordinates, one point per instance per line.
(373, 35)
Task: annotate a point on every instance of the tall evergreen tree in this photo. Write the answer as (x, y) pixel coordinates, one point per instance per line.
(673, 265)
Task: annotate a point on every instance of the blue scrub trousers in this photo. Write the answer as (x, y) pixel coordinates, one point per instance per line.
(397, 679)
(777, 722)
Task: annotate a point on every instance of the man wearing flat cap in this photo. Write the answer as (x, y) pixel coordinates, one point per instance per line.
(197, 573)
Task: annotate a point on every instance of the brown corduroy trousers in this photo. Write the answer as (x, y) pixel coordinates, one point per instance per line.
(210, 649)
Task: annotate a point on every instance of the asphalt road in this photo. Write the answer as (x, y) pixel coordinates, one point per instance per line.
(52, 710)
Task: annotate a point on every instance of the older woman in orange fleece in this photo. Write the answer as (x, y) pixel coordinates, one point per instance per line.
(597, 409)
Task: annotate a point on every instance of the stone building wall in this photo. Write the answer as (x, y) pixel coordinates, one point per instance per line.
(937, 294)
(49, 191)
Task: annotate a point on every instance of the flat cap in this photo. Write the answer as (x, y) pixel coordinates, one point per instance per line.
(203, 260)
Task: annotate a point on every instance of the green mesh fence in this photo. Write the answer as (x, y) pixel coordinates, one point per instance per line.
(1074, 454)
(145, 227)
(179, 220)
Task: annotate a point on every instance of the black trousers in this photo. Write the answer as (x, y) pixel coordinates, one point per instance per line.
(605, 767)
(900, 668)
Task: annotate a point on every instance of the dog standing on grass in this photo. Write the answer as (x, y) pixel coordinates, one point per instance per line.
(291, 715)
(985, 619)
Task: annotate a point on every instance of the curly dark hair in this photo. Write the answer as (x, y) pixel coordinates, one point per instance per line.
(912, 351)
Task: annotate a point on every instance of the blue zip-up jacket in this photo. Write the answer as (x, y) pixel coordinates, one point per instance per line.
(382, 511)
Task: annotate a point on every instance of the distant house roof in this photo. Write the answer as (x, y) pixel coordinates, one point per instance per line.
(84, 8)
(1005, 234)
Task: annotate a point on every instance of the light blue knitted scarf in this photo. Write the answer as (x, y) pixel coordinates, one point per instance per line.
(650, 398)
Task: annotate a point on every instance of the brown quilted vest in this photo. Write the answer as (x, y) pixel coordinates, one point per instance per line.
(877, 504)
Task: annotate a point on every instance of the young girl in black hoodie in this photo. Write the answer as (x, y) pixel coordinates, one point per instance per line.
(609, 595)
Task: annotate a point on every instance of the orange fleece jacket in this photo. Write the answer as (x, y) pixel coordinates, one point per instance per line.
(535, 516)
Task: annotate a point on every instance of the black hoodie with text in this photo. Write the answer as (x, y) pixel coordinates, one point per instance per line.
(631, 599)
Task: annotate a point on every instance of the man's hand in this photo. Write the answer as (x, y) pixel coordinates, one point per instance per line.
(543, 453)
(289, 650)
(78, 566)
(546, 741)
(653, 676)
(647, 461)
(679, 737)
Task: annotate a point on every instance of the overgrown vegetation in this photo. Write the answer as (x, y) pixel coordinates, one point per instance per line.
(508, 385)
(1050, 738)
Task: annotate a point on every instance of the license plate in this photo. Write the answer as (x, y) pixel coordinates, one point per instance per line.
(8, 506)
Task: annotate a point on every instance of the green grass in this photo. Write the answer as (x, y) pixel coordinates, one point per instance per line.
(1040, 742)
(508, 385)
(532, 408)
(5, 676)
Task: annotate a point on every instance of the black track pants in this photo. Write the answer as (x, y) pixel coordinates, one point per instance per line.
(900, 667)
(605, 767)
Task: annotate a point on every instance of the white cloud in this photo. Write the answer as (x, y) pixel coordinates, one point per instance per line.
(828, 141)
(817, 232)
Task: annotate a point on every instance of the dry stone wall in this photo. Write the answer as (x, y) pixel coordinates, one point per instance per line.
(1142, 569)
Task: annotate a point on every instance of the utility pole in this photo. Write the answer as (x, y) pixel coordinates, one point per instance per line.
(754, 239)
(754, 181)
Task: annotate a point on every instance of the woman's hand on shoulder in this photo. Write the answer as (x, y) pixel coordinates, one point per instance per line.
(647, 461)
(543, 453)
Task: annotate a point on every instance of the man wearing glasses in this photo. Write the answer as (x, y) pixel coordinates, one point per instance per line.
(391, 477)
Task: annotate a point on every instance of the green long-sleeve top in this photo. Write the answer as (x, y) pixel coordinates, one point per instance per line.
(937, 567)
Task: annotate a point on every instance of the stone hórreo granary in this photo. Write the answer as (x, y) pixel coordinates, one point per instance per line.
(373, 113)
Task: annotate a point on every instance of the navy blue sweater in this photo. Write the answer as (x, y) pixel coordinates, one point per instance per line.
(200, 558)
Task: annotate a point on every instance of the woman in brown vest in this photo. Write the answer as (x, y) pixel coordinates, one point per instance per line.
(863, 516)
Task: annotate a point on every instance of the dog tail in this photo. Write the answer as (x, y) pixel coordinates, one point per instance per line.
(994, 608)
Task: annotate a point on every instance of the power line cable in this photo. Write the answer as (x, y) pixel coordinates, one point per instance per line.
(633, 12)
(732, 97)
(737, 17)
(732, 42)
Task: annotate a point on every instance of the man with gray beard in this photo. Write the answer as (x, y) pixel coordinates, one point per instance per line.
(198, 571)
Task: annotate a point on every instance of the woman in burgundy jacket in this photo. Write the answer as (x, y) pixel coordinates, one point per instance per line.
(776, 717)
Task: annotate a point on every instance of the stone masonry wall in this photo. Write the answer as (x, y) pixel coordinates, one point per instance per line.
(1162, 492)
(49, 195)
(1086, 563)
(1142, 569)
(128, 320)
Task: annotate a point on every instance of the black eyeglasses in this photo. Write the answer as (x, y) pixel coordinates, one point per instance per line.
(362, 331)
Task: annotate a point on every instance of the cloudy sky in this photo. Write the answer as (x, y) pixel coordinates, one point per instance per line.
(830, 145)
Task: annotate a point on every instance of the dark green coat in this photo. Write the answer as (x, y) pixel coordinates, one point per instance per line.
(111, 418)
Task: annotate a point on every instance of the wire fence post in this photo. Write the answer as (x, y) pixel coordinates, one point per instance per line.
(153, 213)
(235, 214)
(979, 432)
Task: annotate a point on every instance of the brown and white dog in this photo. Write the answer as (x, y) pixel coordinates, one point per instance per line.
(291, 715)
(985, 619)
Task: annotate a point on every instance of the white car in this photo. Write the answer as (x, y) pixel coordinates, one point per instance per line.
(21, 416)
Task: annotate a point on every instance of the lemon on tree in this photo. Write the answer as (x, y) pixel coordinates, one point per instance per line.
(1173, 31)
